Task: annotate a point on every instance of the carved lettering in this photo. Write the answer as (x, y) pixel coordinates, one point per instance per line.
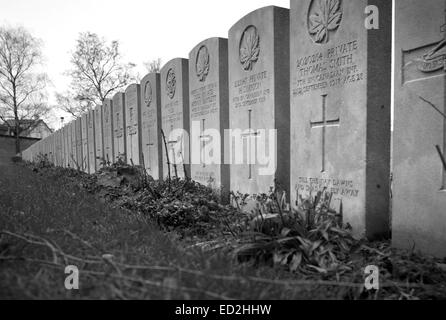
(334, 67)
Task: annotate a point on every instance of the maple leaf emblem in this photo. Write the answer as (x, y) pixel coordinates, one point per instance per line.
(202, 63)
(148, 93)
(171, 83)
(325, 18)
(249, 48)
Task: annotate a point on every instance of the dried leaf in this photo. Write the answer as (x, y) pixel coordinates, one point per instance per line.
(285, 232)
(296, 261)
(318, 269)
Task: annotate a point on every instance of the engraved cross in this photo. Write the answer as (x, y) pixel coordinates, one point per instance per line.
(172, 144)
(132, 126)
(324, 124)
(249, 136)
(118, 128)
(150, 146)
(204, 139)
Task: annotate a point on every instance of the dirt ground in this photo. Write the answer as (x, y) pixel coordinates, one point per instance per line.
(48, 223)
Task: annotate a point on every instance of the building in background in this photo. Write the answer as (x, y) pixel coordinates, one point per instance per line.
(28, 128)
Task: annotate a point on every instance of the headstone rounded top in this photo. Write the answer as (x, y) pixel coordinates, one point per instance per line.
(207, 42)
(251, 39)
(118, 96)
(148, 88)
(149, 77)
(201, 57)
(131, 87)
(171, 73)
(107, 102)
(175, 61)
(252, 14)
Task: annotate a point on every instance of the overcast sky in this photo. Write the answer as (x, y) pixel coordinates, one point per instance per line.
(146, 29)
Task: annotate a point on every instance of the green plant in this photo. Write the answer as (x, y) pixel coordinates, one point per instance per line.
(310, 238)
(42, 161)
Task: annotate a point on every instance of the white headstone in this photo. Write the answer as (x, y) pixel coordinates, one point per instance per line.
(119, 129)
(85, 158)
(175, 116)
(108, 130)
(133, 127)
(151, 140)
(99, 137)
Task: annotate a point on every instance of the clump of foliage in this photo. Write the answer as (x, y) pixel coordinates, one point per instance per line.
(184, 206)
(44, 167)
(309, 239)
(41, 161)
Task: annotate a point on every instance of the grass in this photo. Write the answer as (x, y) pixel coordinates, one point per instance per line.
(49, 221)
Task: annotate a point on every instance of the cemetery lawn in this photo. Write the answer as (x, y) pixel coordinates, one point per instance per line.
(49, 220)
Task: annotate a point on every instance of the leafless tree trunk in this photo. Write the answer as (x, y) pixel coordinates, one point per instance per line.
(21, 95)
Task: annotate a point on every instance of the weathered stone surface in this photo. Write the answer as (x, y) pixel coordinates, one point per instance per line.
(91, 142)
(99, 136)
(73, 144)
(151, 140)
(69, 146)
(108, 130)
(79, 155)
(419, 186)
(85, 158)
(119, 129)
(175, 115)
(64, 149)
(58, 143)
(133, 123)
(209, 113)
(340, 109)
(258, 101)
(54, 147)
(53, 143)
(66, 145)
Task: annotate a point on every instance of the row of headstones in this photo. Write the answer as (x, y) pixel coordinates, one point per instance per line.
(322, 79)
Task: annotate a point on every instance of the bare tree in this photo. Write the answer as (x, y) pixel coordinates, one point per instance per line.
(22, 95)
(74, 105)
(153, 66)
(98, 71)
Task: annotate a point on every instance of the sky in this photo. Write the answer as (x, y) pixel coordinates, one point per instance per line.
(146, 29)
